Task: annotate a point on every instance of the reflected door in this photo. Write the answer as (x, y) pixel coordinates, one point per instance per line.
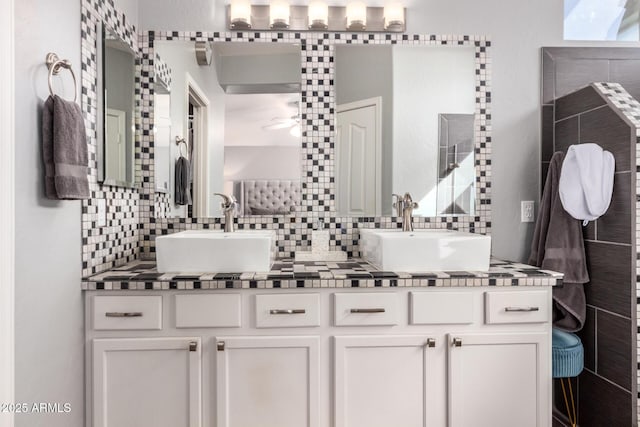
(115, 144)
(358, 174)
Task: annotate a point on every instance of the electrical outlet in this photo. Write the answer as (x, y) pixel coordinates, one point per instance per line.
(102, 212)
(527, 211)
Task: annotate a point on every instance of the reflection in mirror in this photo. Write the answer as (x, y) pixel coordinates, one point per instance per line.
(392, 127)
(162, 126)
(116, 153)
(240, 121)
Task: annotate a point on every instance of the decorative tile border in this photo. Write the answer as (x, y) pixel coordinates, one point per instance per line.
(318, 125)
(629, 108)
(162, 71)
(287, 274)
(104, 247)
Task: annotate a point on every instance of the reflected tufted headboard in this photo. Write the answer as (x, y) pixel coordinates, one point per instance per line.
(269, 197)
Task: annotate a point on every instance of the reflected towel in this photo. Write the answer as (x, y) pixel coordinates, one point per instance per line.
(558, 245)
(64, 149)
(182, 190)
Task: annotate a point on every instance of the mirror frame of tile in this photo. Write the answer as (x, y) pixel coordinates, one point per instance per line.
(131, 213)
(318, 119)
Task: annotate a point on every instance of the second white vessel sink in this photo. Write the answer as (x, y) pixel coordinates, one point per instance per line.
(425, 250)
(213, 251)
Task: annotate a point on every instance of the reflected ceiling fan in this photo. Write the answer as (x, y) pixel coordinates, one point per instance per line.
(292, 122)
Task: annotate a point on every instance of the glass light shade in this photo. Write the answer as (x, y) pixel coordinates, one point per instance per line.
(279, 14)
(394, 17)
(356, 16)
(240, 13)
(318, 15)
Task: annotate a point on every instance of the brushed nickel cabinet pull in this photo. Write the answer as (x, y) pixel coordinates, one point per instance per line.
(456, 342)
(525, 309)
(368, 310)
(431, 342)
(288, 311)
(123, 314)
(193, 346)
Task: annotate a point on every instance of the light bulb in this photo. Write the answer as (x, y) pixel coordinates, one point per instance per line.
(279, 14)
(240, 14)
(356, 16)
(318, 15)
(394, 17)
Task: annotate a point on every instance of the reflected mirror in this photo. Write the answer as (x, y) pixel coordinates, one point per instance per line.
(229, 123)
(407, 127)
(116, 158)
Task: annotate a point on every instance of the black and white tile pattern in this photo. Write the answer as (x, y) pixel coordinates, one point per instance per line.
(629, 108)
(287, 274)
(118, 241)
(162, 71)
(318, 123)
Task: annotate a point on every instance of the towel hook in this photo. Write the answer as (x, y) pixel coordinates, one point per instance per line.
(54, 64)
(180, 141)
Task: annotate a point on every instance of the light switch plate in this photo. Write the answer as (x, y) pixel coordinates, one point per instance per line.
(102, 213)
(527, 211)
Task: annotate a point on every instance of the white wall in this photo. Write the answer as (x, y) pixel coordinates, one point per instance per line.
(49, 308)
(180, 57)
(518, 29)
(241, 163)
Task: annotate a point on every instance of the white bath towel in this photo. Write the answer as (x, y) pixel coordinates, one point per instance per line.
(586, 181)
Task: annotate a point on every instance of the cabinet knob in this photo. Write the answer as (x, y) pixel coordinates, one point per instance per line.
(456, 342)
(431, 342)
(193, 346)
(220, 345)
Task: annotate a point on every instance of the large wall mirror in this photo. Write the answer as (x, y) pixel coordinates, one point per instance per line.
(228, 123)
(116, 129)
(405, 120)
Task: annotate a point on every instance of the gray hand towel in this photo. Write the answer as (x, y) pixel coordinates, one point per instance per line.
(558, 245)
(182, 190)
(64, 150)
(47, 150)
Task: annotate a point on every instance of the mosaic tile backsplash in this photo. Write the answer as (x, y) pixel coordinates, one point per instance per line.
(318, 125)
(136, 216)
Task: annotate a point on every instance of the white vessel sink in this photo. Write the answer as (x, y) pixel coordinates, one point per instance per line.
(425, 250)
(213, 251)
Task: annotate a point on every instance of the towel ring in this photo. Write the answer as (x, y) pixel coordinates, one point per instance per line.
(180, 141)
(54, 63)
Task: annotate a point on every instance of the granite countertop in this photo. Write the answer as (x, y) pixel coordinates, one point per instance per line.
(287, 274)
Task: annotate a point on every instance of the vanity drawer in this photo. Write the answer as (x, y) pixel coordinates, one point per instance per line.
(127, 312)
(208, 311)
(516, 307)
(439, 308)
(366, 309)
(287, 311)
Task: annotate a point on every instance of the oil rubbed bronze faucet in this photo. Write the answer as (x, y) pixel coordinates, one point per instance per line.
(228, 205)
(408, 205)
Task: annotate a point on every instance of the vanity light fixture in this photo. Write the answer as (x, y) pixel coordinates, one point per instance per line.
(279, 15)
(394, 17)
(356, 16)
(240, 12)
(318, 15)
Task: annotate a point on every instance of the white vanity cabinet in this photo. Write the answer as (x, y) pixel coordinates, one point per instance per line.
(267, 381)
(146, 382)
(324, 357)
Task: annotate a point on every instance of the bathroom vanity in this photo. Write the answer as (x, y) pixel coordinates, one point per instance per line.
(319, 344)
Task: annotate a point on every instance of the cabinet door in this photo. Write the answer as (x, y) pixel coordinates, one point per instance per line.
(267, 381)
(499, 380)
(383, 381)
(146, 382)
